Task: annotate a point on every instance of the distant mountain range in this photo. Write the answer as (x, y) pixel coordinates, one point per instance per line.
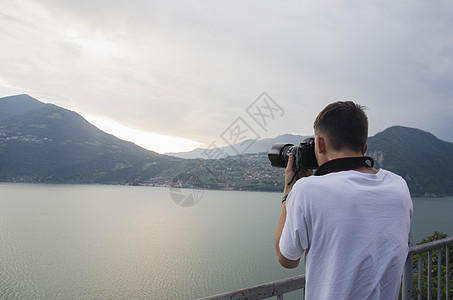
(256, 146)
(45, 143)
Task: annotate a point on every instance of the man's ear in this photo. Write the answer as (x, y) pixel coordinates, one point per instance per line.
(320, 143)
(364, 149)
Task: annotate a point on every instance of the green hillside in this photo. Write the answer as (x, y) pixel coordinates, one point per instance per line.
(425, 162)
(45, 143)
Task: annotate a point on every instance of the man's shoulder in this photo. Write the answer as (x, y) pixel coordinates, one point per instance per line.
(335, 181)
(390, 175)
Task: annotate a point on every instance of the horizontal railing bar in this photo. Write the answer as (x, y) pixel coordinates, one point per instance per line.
(265, 290)
(430, 246)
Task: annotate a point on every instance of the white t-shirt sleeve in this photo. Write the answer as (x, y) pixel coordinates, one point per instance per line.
(294, 239)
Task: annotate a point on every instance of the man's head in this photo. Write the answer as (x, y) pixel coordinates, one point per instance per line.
(345, 126)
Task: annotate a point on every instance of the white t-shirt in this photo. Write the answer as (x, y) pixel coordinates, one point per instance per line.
(355, 227)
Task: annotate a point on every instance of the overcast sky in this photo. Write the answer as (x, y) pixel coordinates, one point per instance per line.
(189, 73)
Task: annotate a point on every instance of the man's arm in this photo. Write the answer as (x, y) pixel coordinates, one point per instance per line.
(287, 263)
(289, 173)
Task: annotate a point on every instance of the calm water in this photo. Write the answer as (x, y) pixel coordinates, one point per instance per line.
(116, 242)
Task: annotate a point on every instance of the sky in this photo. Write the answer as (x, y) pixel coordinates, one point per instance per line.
(175, 75)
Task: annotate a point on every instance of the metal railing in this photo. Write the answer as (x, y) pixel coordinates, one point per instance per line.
(266, 290)
(424, 254)
(283, 286)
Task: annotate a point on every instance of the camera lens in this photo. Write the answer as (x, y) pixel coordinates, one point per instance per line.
(279, 154)
(304, 154)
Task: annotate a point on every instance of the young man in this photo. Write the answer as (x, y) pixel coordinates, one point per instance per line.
(353, 222)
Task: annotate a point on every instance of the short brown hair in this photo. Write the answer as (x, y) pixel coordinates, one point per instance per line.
(345, 124)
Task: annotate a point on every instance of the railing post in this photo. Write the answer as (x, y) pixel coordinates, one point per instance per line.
(439, 276)
(430, 267)
(420, 275)
(407, 279)
(447, 271)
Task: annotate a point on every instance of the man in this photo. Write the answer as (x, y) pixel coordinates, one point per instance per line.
(352, 222)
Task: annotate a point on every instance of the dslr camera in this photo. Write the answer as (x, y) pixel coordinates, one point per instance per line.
(304, 154)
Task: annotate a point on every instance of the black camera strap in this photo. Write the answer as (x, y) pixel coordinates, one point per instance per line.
(344, 164)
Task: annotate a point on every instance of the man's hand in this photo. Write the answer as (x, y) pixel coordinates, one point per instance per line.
(289, 174)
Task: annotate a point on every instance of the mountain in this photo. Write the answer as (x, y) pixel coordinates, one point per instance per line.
(16, 105)
(45, 143)
(256, 146)
(424, 161)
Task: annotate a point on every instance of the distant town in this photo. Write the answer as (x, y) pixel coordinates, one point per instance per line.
(241, 172)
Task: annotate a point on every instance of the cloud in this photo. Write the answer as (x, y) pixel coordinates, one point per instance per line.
(190, 68)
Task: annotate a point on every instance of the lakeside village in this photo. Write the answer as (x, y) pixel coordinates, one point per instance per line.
(244, 172)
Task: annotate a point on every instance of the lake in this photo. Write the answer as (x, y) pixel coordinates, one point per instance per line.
(118, 242)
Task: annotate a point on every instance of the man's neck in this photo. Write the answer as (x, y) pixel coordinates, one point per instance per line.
(330, 155)
(368, 170)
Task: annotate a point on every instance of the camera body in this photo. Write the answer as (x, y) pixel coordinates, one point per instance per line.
(304, 154)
